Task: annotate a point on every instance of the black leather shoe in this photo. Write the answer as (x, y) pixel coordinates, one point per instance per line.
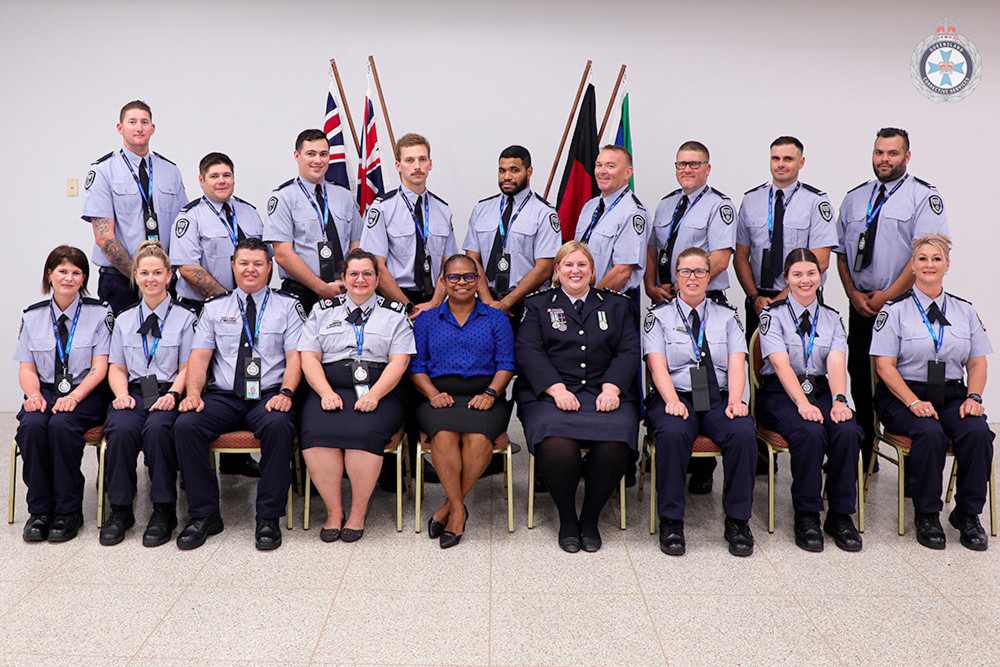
(700, 483)
(971, 531)
(351, 534)
(569, 537)
(197, 531)
(329, 534)
(268, 534)
(65, 527)
(929, 530)
(738, 534)
(450, 539)
(119, 521)
(36, 528)
(808, 536)
(590, 538)
(841, 528)
(434, 528)
(239, 464)
(672, 537)
(161, 525)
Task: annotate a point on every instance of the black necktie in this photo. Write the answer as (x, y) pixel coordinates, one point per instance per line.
(245, 352)
(498, 240)
(421, 278)
(150, 326)
(147, 205)
(665, 271)
(873, 228)
(63, 337)
(706, 359)
(805, 325)
(228, 211)
(934, 314)
(768, 273)
(597, 218)
(331, 229)
(578, 304)
(355, 316)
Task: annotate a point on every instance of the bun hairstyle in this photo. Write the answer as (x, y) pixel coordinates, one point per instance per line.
(149, 249)
(801, 255)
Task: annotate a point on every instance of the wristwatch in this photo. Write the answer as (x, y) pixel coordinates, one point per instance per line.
(490, 391)
(175, 394)
(976, 397)
(841, 398)
(285, 391)
(408, 307)
(752, 298)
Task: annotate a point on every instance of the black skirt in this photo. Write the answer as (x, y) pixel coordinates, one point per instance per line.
(542, 419)
(459, 417)
(347, 428)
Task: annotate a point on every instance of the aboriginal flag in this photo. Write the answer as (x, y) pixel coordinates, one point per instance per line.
(578, 182)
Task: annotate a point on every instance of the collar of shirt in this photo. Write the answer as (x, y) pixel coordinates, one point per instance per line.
(479, 310)
(888, 186)
(310, 187)
(411, 196)
(610, 199)
(160, 311)
(134, 159)
(366, 307)
(518, 198)
(788, 189)
(798, 308)
(574, 299)
(217, 205)
(926, 301)
(686, 309)
(258, 296)
(69, 312)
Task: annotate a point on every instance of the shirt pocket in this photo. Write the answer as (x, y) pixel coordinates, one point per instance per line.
(377, 346)
(519, 243)
(796, 232)
(135, 358)
(43, 354)
(217, 245)
(127, 198)
(915, 343)
(227, 339)
(958, 341)
(271, 340)
(306, 225)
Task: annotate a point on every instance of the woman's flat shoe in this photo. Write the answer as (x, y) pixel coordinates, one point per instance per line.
(351, 534)
(434, 528)
(329, 534)
(570, 544)
(449, 539)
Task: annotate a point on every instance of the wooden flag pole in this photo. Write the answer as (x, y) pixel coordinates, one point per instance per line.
(569, 123)
(347, 109)
(381, 99)
(614, 93)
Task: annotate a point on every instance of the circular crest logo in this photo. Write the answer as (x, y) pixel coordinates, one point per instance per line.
(946, 66)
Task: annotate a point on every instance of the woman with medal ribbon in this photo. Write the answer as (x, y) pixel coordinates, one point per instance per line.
(930, 352)
(578, 353)
(694, 347)
(464, 360)
(63, 353)
(355, 349)
(149, 353)
(802, 397)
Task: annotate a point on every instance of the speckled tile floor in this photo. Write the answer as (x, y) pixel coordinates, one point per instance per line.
(498, 598)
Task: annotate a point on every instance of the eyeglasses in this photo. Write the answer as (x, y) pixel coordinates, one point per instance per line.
(693, 165)
(698, 273)
(453, 278)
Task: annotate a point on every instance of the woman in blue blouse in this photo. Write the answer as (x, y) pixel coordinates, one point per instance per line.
(464, 360)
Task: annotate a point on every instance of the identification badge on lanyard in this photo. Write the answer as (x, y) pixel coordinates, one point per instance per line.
(64, 384)
(808, 388)
(701, 397)
(152, 228)
(359, 371)
(859, 259)
(327, 270)
(502, 282)
(935, 383)
(150, 388)
(766, 277)
(251, 379)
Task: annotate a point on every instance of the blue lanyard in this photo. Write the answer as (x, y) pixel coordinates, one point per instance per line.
(359, 336)
(701, 331)
(594, 219)
(260, 316)
(156, 343)
(234, 232)
(503, 231)
(324, 215)
(770, 209)
(64, 353)
(939, 337)
(427, 215)
(806, 352)
(146, 196)
(687, 210)
(871, 215)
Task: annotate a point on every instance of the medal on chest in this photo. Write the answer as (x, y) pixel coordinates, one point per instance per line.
(558, 318)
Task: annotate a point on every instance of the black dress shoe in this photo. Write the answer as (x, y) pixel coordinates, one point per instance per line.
(700, 483)
(672, 537)
(119, 521)
(329, 534)
(197, 531)
(36, 528)
(239, 464)
(434, 528)
(569, 537)
(450, 539)
(268, 534)
(971, 531)
(808, 536)
(65, 527)
(161, 525)
(929, 530)
(738, 534)
(590, 537)
(351, 534)
(841, 528)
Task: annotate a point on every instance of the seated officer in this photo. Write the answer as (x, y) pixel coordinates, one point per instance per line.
(249, 338)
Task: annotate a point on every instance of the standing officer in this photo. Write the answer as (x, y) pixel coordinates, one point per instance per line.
(517, 232)
(311, 224)
(698, 216)
(878, 221)
(775, 218)
(206, 231)
(409, 230)
(249, 337)
(130, 196)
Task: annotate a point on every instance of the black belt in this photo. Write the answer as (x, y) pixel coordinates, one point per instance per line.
(111, 271)
(717, 295)
(948, 383)
(377, 365)
(417, 296)
(769, 293)
(768, 380)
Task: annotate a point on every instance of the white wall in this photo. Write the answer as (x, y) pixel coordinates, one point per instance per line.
(245, 77)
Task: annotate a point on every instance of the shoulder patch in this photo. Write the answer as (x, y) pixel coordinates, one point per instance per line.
(739, 322)
(438, 198)
(638, 223)
(936, 204)
(191, 204)
(542, 199)
(856, 187)
(762, 185)
(164, 159)
(671, 194)
(301, 310)
(825, 211)
(923, 183)
(814, 190)
(90, 179)
(244, 201)
(554, 222)
(371, 218)
(285, 184)
(484, 199)
(765, 323)
(647, 324)
(727, 213)
(880, 320)
(181, 227)
(272, 205)
(40, 304)
(721, 194)
(103, 158)
(637, 202)
(109, 321)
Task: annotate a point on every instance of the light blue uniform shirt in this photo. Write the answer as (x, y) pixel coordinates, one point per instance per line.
(176, 334)
(619, 237)
(387, 330)
(36, 342)
(777, 334)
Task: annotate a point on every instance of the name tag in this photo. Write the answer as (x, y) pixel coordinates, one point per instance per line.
(251, 379)
(701, 399)
(327, 268)
(150, 389)
(935, 383)
(359, 371)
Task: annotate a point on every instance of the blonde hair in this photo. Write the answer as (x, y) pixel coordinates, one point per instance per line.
(149, 249)
(939, 241)
(566, 249)
(693, 252)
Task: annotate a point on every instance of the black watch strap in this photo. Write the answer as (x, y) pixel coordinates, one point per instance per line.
(841, 398)
(285, 391)
(490, 391)
(175, 394)
(976, 397)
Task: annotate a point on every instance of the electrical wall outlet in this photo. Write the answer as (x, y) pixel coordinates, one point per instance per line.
(72, 187)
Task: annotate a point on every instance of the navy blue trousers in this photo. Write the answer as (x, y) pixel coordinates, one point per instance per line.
(52, 449)
(808, 444)
(971, 438)
(129, 432)
(224, 412)
(674, 442)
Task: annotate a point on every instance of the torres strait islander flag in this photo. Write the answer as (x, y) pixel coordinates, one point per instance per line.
(622, 130)
(578, 182)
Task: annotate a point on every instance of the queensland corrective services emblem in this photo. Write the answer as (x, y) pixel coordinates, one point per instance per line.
(946, 66)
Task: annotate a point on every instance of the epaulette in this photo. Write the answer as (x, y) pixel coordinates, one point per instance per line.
(830, 308)
(721, 194)
(660, 304)
(243, 201)
(330, 303)
(190, 205)
(725, 304)
(185, 306)
(134, 304)
(779, 302)
(40, 304)
(857, 187)
(290, 295)
(675, 192)
(285, 184)
(905, 295)
(637, 202)
(958, 298)
(814, 190)
(164, 159)
(388, 195)
(605, 290)
(762, 185)
(543, 200)
(924, 183)
(489, 198)
(397, 306)
(538, 293)
(339, 185)
(94, 301)
(103, 158)
(438, 198)
(217, 296)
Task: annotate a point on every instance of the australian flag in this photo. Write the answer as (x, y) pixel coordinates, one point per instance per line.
(334, 129)
(369, 165)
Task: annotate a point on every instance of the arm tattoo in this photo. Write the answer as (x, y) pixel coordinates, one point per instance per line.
(118, 256)
(101, 226)
(205, 284)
